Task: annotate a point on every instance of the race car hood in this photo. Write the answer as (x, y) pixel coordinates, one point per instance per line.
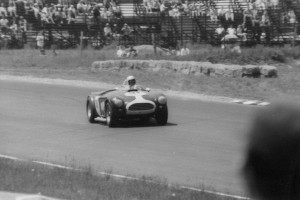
(133, 95)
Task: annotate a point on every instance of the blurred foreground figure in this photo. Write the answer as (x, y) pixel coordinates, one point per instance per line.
(272, 165)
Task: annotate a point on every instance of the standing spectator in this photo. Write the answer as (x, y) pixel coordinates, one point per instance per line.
(4, 24)
(106, 4)
(147, 6)
(14, 26)
(40, 42)
(275, 3)
(265, 21)
(163, 9)
(201, 8)
(45, 9)
(109, 14)
(96, 14)
(23, 23)
(107, 32)
(220, 31)
(240, 33)
(12, 9)
(221, 15)
(193, 10)
(156, 6)
(71, 15)
(3, 11)
(36, 10)
(260, 4)
(171, 13)
(120, 52)
(116, 32)
(104, 13)
(81, 7)
(126, 31)
(285, 18)
(247, 18)
(45, 18)
(229, 15)
(20, 7)
(57, 17)
(213, 14)
(23, 28)
(117, 11)
(176, 12)
(185, 8)
(292, 16)
(184, 51)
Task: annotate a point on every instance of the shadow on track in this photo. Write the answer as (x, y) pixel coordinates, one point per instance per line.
(137, 124)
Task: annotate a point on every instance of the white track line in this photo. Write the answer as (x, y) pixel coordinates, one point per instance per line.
(250, 102)
(30, 197)
(264, 104)
(53, 165)
(213, 192)
(117, 176)
(128, 177)
(10, 157)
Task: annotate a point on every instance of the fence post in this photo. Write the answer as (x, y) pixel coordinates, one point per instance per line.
(81, 43)
(154, 43)
(294, 35)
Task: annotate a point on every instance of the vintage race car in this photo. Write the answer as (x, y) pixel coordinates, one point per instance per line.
(114, 105)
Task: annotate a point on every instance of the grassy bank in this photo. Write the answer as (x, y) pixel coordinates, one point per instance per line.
(74, 64)
(26, 177)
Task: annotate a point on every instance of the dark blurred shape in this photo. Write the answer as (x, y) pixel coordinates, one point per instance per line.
(272, 165)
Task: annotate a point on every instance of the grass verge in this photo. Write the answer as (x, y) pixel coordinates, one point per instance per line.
(85, 184)
(72, 64)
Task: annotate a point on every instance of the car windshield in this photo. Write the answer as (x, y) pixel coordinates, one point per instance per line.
(137, 87)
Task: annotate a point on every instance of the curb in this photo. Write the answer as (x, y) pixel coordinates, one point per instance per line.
(251, 102)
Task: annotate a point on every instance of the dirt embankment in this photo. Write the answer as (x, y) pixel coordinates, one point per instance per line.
(189, 67)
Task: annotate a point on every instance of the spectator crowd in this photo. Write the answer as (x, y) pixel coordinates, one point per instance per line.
(234, 20)
(13, 15)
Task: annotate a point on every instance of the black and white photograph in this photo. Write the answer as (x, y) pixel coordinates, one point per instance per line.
(149, 99)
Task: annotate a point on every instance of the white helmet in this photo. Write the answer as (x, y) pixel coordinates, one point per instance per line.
(130, 80)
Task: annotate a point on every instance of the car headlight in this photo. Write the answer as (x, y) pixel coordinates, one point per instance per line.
(162, 99)
(118, 102)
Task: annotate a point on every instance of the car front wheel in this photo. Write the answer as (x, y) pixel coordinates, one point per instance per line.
(110, 116)
(90, 111)
(161, 116)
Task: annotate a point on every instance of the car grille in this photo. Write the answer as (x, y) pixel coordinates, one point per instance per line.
(141, 106)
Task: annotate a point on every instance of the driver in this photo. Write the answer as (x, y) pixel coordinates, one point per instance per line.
(131, 82)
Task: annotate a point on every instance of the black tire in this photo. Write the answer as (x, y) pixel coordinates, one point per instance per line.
(110, 116)
(161, 116)
(90, 111)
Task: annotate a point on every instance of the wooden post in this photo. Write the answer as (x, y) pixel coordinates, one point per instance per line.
(295, 35)
(154, 43)
(81, 43)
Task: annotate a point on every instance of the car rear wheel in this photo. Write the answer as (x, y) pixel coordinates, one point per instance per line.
(161, 116)
(90, 111)
(110, 116)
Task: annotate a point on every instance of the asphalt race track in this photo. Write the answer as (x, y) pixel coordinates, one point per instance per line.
(203, 142)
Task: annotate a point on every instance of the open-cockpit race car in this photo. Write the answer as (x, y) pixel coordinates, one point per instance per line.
(114, 105)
